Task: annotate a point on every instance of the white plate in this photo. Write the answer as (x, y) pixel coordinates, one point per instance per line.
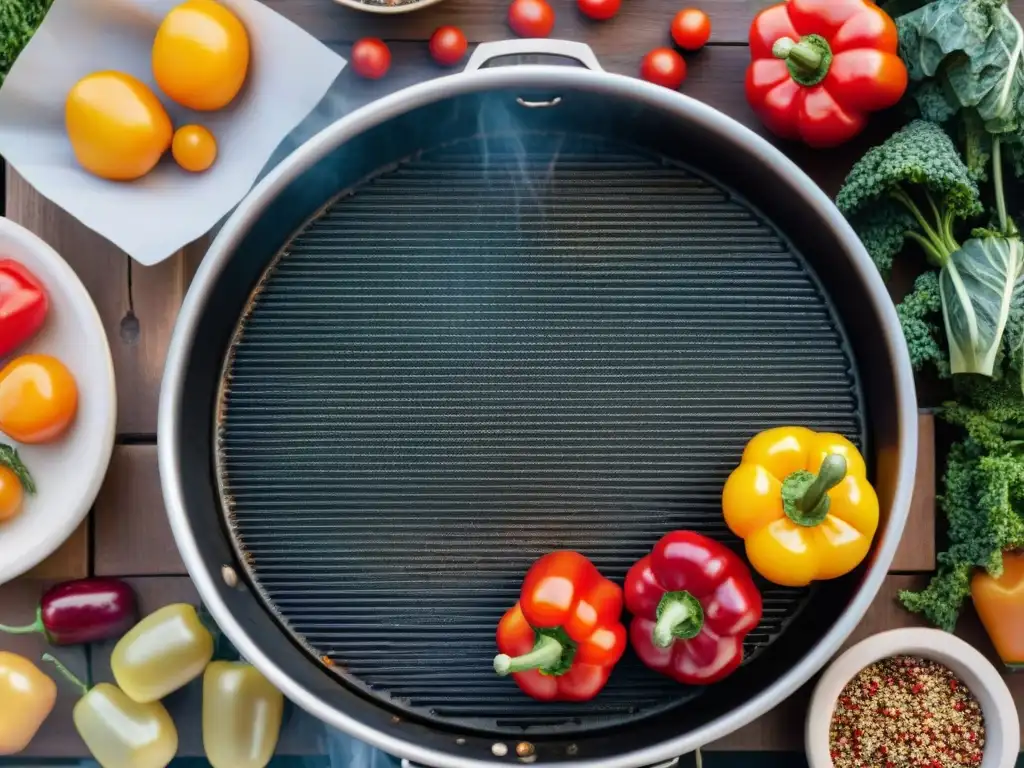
(69, 471)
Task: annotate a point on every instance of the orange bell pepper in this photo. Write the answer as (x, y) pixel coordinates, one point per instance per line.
(1000, 605)
(27, 697)
(801, 502)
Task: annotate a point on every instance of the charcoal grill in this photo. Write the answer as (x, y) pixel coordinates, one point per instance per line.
(505, 312)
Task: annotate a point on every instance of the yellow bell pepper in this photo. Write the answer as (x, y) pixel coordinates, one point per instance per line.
(119, 732)
(165, 651)
(801, 502)
(27, 697)
(242, 715)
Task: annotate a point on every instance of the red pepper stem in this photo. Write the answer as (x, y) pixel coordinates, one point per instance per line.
(68, 675)
(545, 655)
(28, 629)
(808, 60)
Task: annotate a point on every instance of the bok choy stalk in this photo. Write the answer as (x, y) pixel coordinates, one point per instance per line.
(916, 186)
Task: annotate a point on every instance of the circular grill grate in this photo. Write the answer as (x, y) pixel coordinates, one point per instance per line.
(499, 348)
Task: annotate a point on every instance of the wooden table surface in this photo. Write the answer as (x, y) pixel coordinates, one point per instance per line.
(127, 534)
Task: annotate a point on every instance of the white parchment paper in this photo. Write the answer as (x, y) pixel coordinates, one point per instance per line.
(153, 217)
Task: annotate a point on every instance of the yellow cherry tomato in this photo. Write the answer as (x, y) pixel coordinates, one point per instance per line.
(38, 399)
(194, 148)
(117, 126)
(201, 55)
(11, 494)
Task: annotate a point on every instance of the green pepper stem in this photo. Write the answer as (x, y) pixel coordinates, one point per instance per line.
(28, 629)
(675, 613)
(831, 474)
(545, 654)
(800, 54)
(68, 675)
(808, 59)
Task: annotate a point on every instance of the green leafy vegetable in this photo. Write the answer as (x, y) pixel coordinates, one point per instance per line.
(983, 497)
(19, 20)
(920, 315)
(971, 54)
(965, 59)
(977, 286)
(919, 174)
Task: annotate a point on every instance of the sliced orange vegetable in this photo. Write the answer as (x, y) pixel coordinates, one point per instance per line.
(999, 602)
(38, 399)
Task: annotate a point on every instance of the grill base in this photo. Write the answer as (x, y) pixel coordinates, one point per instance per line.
(498, 348)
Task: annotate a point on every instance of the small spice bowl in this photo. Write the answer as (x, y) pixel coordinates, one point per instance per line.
(982, 679)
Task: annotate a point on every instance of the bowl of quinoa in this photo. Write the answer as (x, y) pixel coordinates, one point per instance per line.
(912, 698)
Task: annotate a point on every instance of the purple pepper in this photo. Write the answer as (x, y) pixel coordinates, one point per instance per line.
(83, 611)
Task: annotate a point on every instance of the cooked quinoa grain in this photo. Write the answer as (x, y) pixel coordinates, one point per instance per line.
(905, 711)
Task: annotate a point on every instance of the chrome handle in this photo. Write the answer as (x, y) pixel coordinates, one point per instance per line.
(570, 49)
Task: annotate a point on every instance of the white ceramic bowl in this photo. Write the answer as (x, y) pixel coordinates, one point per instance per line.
(375, 8)
(69, 471)
(1002, 726)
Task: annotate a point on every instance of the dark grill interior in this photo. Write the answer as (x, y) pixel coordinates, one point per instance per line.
(499, 348)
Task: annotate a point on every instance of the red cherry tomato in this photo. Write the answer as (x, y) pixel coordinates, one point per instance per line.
(531, 18)
(691, 29)
(371, 58)
(448, 45)
(663, 66)
(601, 10)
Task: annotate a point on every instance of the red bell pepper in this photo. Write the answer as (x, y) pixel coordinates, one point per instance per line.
(693, 602)
(562, 639)
(23, 305)
(819, 67)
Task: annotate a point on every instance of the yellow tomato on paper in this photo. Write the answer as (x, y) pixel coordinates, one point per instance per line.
(201, 55)
(117, 127)
(194, 148)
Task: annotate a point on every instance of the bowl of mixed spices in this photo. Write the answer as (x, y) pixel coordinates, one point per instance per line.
(912, 698)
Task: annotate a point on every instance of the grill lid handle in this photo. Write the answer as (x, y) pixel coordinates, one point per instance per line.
(569, 49)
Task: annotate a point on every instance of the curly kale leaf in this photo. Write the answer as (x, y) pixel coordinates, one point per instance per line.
(983, 495)
(19, 20)
(919, 161)
(920, 315)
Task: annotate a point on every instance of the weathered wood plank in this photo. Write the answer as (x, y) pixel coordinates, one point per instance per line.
(132, 535)
(781, 729)
(301, 734)
(917, 547)
(69, 561)
(639, 25)
(57, 737)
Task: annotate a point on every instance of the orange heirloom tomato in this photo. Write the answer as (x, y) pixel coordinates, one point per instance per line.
(11, 494)
(117, 127)
(15, 482)
(801, 502)
(38, 399)
(201, 55)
